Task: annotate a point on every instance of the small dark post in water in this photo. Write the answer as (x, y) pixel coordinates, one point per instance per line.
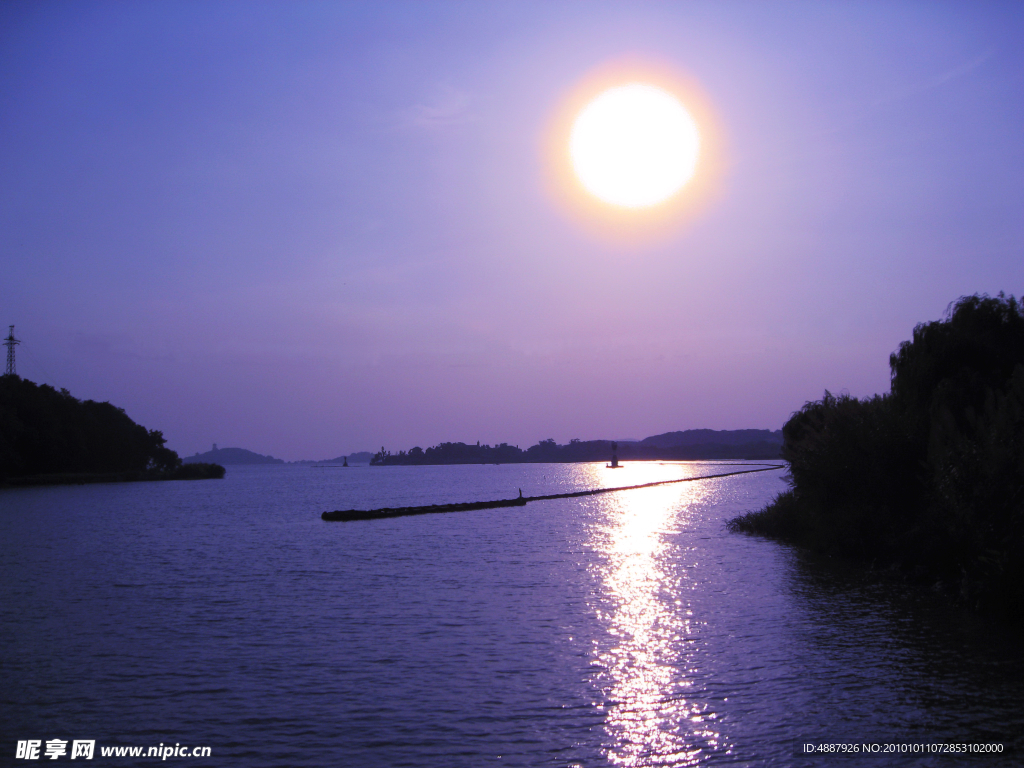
(344, 461)
(615, 457)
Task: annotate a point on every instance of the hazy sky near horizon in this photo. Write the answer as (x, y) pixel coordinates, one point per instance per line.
(313, 228)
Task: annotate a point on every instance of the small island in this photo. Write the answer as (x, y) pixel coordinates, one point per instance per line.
(928, 479)
(49, 437)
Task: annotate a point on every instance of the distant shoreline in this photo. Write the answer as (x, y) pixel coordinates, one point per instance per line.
(243, 456)
(549, 452)
(187, 472)
(687, 445)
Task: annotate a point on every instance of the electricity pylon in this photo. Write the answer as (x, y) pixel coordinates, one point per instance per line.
(10, 342)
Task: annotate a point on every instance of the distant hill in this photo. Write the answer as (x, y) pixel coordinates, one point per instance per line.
(226, 456)
(693, 437)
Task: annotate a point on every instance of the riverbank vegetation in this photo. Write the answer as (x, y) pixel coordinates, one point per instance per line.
(929, 478)
(49, 437)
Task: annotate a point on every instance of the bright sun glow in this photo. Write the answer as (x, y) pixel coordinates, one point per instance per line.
(634, 146)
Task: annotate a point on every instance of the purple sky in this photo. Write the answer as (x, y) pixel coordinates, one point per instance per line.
(314, 228)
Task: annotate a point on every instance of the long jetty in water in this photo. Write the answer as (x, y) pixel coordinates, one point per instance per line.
(345, 515)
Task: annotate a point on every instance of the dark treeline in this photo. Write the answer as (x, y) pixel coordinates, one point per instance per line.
(548, 451)
(47, 434)
(930, 477)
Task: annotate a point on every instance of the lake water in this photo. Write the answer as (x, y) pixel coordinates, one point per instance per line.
(622, 629)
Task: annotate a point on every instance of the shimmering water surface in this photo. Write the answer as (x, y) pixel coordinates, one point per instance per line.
(623, 629)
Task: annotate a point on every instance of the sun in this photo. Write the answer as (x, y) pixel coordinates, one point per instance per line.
(634, 152)
(634, 146)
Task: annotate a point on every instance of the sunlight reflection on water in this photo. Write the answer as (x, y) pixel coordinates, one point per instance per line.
(650, 719)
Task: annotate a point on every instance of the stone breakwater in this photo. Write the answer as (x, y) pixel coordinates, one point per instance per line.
(346, 515)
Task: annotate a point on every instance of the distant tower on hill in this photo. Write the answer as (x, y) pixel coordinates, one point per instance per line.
(10, 342)
(215, 446)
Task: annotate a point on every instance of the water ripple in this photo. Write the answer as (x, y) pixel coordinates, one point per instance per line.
(628, 629)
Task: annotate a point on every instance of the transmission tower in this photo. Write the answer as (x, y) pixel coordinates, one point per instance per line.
(10, 342)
